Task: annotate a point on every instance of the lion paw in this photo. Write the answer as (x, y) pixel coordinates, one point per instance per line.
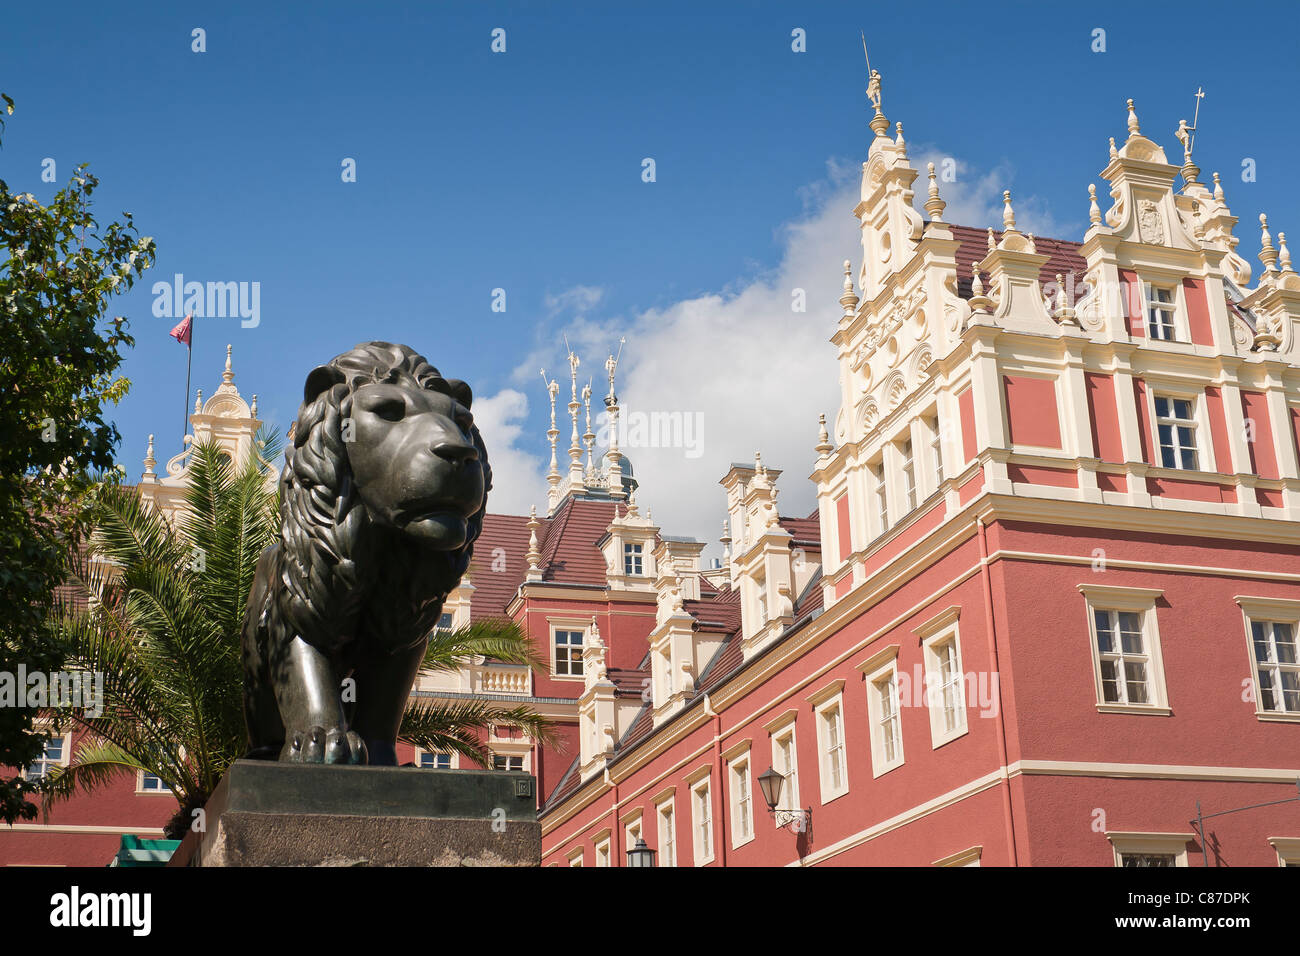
(318, 745)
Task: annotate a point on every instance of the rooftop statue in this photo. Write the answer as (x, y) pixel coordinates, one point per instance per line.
(383, 493)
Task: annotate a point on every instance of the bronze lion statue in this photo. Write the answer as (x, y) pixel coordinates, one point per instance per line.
(382, 495)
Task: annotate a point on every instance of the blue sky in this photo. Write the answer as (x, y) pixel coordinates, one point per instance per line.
(522, 171)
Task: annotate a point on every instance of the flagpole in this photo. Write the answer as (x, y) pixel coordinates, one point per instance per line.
(189, 359)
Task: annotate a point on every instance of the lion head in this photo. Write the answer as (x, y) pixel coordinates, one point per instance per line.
(386, 477)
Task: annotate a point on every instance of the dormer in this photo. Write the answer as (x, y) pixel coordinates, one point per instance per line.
(761, 559)
(629, 549)
(672, 659)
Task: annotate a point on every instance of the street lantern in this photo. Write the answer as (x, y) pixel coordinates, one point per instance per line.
(640, 855)
(770, 783)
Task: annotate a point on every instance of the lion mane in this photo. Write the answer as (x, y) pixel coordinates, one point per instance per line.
(328, 560)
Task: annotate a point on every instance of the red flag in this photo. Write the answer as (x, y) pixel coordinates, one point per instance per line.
(182, 331)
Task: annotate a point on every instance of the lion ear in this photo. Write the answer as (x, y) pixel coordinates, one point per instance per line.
(319, 379)
(460, 391)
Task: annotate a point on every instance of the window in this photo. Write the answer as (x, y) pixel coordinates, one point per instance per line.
(147, 782)
(1123, 657)
(632, 559)
(882, 497)
(602, 850)
(936, 450)
(785, 761)
(1288, 850)
(56, 754)
(1276, 667)
(886, 723)
(702, 822)
(568, 653)
(1272, 626)
(1149, 849)
(445, 621)
(909, 473)
(1126, 658)
(631, 830)
(742, 804)
(575, 858)
(435, 761)
(667, 835)
(760, 585)
(507, 762)
(1160, 313)
(944, 680)
(833, 772)
(1176, 426)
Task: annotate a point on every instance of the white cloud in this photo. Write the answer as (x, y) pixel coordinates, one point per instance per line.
(516, 473)
(756, 372)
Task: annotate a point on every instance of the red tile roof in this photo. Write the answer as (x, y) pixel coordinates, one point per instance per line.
(1063, 256)
(806, 532)
(570, 554)
(493, 589)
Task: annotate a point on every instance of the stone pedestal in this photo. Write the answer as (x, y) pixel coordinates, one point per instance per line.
(283, 814)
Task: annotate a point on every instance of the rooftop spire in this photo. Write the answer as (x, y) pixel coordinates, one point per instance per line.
(934, 206)
(1133, 128)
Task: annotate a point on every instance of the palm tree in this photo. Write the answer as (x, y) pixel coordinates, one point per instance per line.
(162, 625)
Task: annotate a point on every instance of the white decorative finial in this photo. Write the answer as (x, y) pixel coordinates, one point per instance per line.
(849, 299)
(198, 400)
(1113, 151)
(824, 446)
(1218, 188)
(992, 242)
(898, 140)
(1267, 254)
(1283, 253)
(534, 551)
(976, 286)
(552, 433)
(1133, 128)
(934, 206)
(228, 376)
(588, 437)
(253, 409)
(1094, 211)
(149, 460)
(1008, 214)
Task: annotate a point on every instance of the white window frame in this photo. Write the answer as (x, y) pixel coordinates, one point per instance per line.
(702, 829)
(63, 762)
(575, 857)
(568, 625)
(1268, 611)
(668, 850)
(1155, 844)
(934, 634)
(1287, 849)
(932, 424)
(145, 791)
(880, 495)
(785, 739)
(1175, 307)
(907, 469)
(740, 797)
(601, 844)
(1175, 425)
(1140, 601)
(632, 829)
(885, 673)
(420, 752)
(633, 559)
(509, 754)
(828, 711)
